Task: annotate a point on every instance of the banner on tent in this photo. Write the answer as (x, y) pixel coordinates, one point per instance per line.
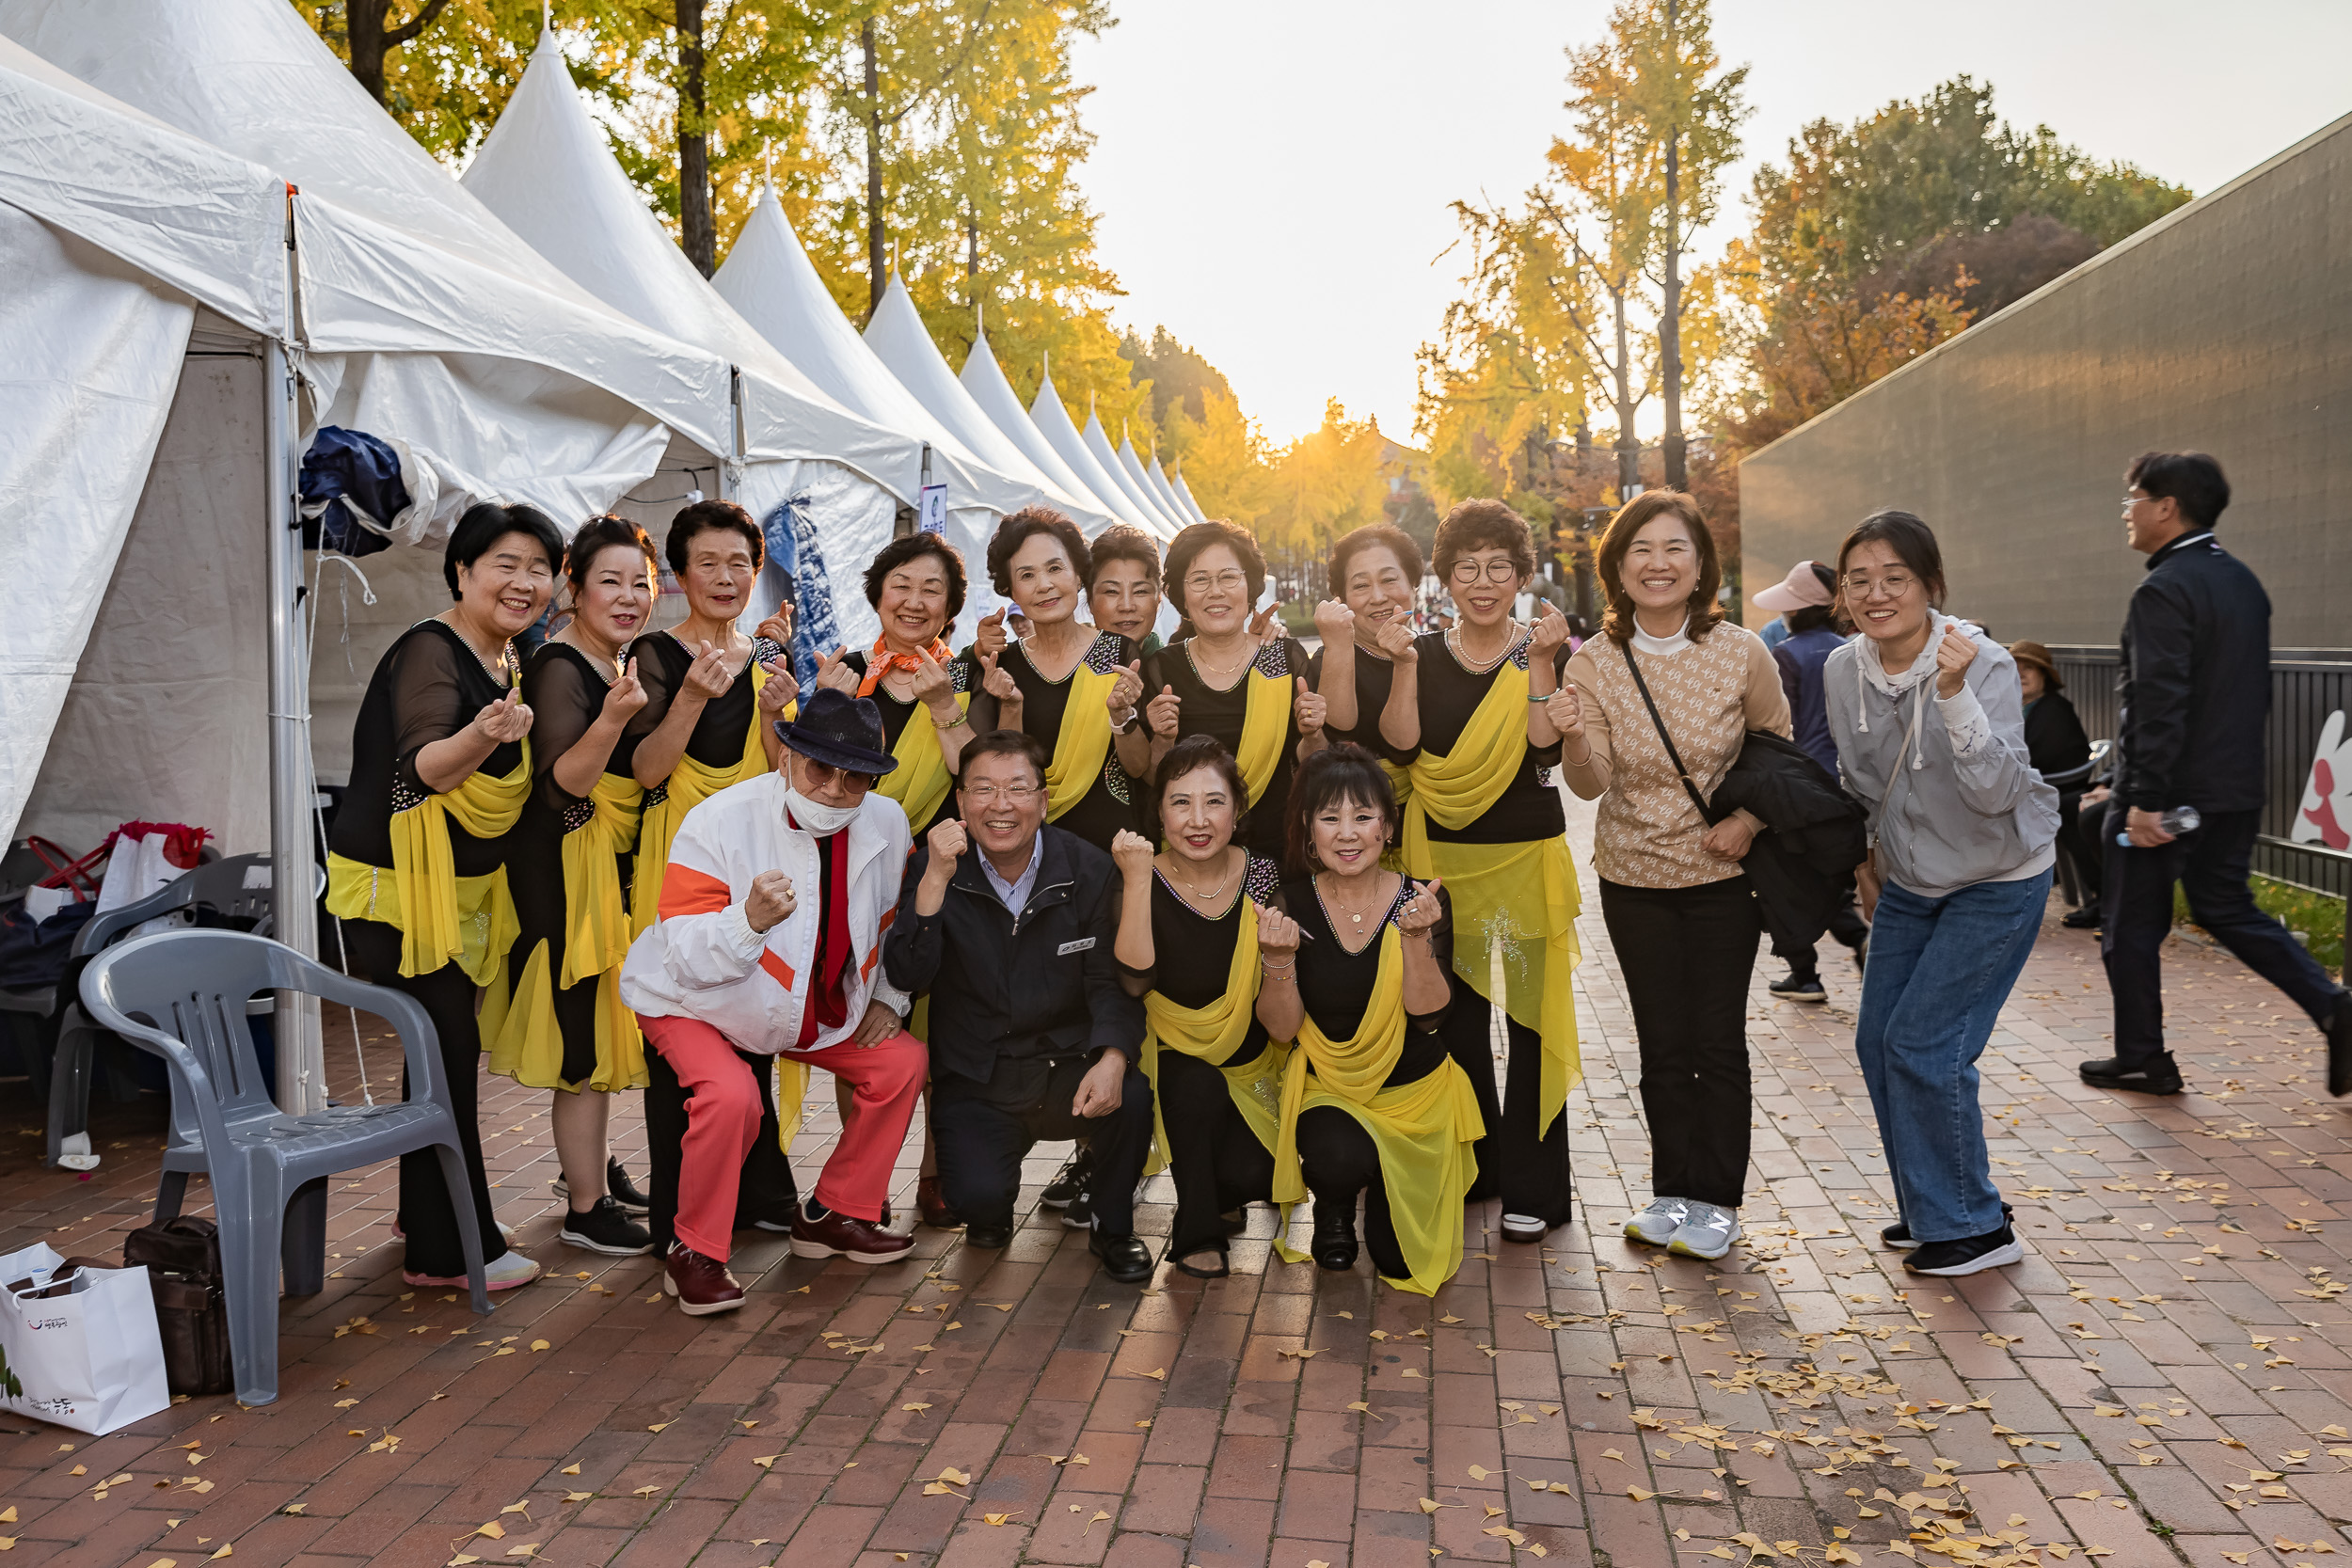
(935, 509)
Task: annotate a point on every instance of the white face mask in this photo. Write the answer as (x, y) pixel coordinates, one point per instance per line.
(814, 816)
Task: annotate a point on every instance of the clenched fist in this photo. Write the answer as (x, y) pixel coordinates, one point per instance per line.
(770, 900)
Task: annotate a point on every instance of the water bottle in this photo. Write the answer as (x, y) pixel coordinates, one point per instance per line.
(2178, 821)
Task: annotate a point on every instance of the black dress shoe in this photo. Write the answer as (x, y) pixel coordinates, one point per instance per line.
(988, 1238)
(1334, 1247)
(1125, 1259)
(2340, 1047)
(2159, 1074)
(2088, 918)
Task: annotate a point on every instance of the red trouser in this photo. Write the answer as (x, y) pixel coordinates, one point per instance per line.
(722, 1118)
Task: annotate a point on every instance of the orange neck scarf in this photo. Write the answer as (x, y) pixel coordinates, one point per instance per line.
(880, 661)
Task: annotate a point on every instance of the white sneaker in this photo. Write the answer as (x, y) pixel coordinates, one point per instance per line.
(502, 1273)
(1655, 1224)
(1523, 1228)
(1705, 1231)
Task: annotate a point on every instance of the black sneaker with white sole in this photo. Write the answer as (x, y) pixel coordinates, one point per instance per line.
(604, 1229)
(1798, 987)
(2158, 1075)
(1898, 1234)
(1970, 1255)
(1078, 1214)
(617, 1186)
(1070, 1180)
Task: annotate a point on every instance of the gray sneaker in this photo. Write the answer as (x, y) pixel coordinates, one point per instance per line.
(1655, 1224)
(1705, 1231)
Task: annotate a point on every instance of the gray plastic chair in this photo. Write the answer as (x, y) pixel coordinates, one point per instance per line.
(181, 996)
(225, 887)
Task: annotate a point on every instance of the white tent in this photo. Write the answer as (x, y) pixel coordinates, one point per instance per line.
(983, 379)
(1167, 492)
(1053, 422)
(1129, 461)
(771, 282)
(549, 173)
(903, 344)
(1098, 445)
(1184, 493)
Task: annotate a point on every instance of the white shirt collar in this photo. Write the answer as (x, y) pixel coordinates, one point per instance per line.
(1660, 646)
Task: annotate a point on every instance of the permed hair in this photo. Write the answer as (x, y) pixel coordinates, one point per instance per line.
(1017, 530)
(1189, 544)
(1374, 537)
(912, 547)
(1195, 752)
(1483, 525)
(1609, 562)
(704, 516)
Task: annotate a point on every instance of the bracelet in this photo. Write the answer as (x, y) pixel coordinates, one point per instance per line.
(1291, 968)
(958, 723)
(1545, 697)
(1134, 716)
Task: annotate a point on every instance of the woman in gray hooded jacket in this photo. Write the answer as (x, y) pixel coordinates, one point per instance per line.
(1929, 726)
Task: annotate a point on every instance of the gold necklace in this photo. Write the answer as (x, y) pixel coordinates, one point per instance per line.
(1192, 889)
(1350, 908)
(1212, 672)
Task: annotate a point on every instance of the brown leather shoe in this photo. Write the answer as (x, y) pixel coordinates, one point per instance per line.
(840, 1235)
(932, 1205)
(702, 1285)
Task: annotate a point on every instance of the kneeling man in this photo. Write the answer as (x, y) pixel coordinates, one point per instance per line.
(773, 913)
(1008, 924)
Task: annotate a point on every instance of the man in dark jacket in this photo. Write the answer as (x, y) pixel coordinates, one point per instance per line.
(1008, 924)
(2196, 696)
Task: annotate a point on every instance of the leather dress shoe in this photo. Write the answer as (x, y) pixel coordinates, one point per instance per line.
(990, 1238)
(1125, 1259)
(702, 1285)
(1334, 1245)
(2159, 1074)
(840, 1235)
(932, 1205)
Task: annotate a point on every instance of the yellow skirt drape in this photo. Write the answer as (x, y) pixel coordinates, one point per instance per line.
(1213, 1033)
(1423, 1130)
(1265, 725)
(441, 916)
(921, 781)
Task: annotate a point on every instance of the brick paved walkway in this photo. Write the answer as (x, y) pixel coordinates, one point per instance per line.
(2164, 1381)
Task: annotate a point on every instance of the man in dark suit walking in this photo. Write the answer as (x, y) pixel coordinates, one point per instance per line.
(2196, 696)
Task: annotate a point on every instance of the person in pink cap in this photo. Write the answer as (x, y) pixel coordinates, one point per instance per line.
(1807, 603)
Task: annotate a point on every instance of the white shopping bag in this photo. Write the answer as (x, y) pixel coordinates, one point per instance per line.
(91, 1358)
(148, 857)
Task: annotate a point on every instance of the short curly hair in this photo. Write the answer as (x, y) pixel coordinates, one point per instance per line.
(1195, 752)
(1374, 537)
(1483, 525)
(1335, 775)
(1017, 530)
(1187, 546)
(915, 546)
(1123, 542)
(704, 516)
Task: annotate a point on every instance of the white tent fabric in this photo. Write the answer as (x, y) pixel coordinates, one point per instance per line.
(1098, 445)
(1167, 492)
(1053, 422)
(772, 283)
(903, 344)
(1133, 464)
(983, 379)
(1184, 493)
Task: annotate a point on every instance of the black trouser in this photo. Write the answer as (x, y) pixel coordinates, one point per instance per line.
(2211, 865)
(1529, 1173)
(1688, 954)
(981, 1131)
(1338, 1159)
(1845, 923)
(2078, 842)
(1215, 1160)
(767, 1191)
(426, 1217)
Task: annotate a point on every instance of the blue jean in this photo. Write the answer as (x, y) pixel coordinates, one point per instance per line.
(1939, 971)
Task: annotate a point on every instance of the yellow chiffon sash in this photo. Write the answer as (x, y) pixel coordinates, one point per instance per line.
(440, 915)
(1083, 743)
(690, 784)
(1423, 1130)
(1265, 725)
(921, 781)
(1522, 895)
(1213, 1033)
(521, 1035)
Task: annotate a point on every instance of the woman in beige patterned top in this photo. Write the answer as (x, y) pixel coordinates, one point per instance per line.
(1680, 910)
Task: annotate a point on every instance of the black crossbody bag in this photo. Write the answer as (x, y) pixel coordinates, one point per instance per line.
(1706, 813)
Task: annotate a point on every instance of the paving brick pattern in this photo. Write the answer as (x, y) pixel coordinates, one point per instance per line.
(2165, 1380)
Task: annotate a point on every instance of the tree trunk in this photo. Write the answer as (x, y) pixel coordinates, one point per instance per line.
(363, 25)
(877, 258)
(1670, 318)
(698, 233)
(1629, 445)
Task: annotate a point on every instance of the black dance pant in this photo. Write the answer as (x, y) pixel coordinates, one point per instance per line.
(1529, 1173)
(1215, 1160)
(426, 1217)
(982, 1133)
(765, 1195)
(1688, 954)
(2210, 864)
(1338, 1159)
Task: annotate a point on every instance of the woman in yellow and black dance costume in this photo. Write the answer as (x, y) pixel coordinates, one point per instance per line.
(712, 697)
(1483, 815)
(1188, 945)
(440, 763)
(1227, 680)
(1076, 687)
(1366, 670)
(1354, 964)
(563, 1026)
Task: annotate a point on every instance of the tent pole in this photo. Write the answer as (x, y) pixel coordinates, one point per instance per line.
(301, 1062)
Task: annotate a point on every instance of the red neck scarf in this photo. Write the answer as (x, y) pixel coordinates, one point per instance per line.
(880, 661)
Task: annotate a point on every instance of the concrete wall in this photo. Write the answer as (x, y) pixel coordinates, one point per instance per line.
(2224, 327)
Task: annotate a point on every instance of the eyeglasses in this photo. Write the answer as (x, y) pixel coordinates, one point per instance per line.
(2130, 501)
(1201, 582)
(1893, 585)
(988, 793)
(1467, 572)
(822, 774)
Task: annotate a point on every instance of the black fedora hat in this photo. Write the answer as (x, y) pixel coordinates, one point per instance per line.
(843, 731)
